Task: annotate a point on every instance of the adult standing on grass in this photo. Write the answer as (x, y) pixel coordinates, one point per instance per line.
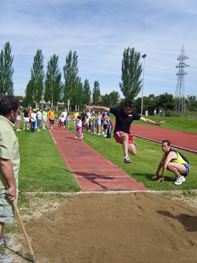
(9, 166)
(44, 118)
(26, 118)
(33, 120)
(39, 119)
(173, 161)
(124, 117)
(51, 115)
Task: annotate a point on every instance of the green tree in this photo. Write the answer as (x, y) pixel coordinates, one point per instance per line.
(37, 76)
(165, 101)
(131, 71)
(110, 100)
(70, 74)
(53, 85)
(113, 98)
(192, 102)
(6, 71)
(29, 94)
(96, 93)
(86, 92)
(77, 94)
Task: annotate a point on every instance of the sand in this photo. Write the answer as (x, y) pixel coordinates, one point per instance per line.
(118, 228)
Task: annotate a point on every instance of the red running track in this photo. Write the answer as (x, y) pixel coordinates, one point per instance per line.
(92, 171)
(178, 139)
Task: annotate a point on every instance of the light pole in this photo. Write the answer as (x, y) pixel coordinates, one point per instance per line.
(143, 84)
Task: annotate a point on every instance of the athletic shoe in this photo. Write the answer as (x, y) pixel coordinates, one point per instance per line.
(180, 180)
(75, 137)
(175, 178)
(6, 242)
(81, 137)
(127, 160)
(5, 259)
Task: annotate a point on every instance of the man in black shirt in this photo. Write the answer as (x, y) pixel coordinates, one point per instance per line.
(124, 117)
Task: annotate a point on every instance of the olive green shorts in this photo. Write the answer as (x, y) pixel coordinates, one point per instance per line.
(7, 212)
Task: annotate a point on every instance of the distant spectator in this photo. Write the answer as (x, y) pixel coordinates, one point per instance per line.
(33, 120)
(39, 118)
(44, 118)
(68, 120)
(26, 119)
(18, 121)
(51, 115)
(64, 113)
(75, 116)
(79, 128)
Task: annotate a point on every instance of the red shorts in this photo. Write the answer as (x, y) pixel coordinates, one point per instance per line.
(118, 135)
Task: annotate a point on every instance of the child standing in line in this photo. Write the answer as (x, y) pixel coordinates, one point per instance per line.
(18, 123)
(79, 128)
(87, 123)
(67, 121)
(62, 119)
(59, 121)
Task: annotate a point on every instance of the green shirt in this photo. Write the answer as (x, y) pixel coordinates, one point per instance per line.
(9, 148)
(44, 114)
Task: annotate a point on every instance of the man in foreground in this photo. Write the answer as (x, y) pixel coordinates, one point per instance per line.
(9, 166)
(124, 117)
(173, 161)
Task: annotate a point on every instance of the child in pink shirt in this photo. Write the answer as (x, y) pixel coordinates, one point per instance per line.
(79, 128)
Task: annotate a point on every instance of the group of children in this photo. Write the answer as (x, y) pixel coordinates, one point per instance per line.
(94, 123)
(63, 121)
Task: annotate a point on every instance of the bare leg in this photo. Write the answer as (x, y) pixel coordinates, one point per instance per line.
(176, 168)
(124, 139)
(132, 149)
(1, 229)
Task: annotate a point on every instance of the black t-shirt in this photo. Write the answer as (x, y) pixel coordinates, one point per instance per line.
(123, 121)
(26, 113)
(83, 115)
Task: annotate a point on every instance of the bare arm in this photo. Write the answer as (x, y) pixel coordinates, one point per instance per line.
(151, 122)
(100, 108)
(7, 172)
(159, 166)
(170, 156)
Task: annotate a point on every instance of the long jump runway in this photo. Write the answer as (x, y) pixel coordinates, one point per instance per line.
(92, 171)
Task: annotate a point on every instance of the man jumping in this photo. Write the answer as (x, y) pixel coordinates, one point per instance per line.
(124, 117)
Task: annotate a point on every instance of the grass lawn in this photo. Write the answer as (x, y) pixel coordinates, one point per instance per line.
(43, 169)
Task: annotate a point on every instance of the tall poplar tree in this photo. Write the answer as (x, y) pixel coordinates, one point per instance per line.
(96, 94)
(37, 76)
(29, 94)
(53, 85)
(6, 71)
(70, 74)
(131, 71)
(77, 94)
(86, 92)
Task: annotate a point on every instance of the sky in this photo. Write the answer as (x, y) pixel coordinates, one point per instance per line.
(100, 31)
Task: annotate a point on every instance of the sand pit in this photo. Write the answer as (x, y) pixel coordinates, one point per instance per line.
(101, 228)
